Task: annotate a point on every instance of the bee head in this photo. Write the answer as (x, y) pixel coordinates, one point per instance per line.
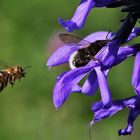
(21, 71)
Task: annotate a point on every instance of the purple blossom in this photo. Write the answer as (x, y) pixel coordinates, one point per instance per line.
(81, 13)
(100, 113)
(99, 64)
(97, 69)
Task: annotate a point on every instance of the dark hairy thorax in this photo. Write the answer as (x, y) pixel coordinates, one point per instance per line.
(88, 53)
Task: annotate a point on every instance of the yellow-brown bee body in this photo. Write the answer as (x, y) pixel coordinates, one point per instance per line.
(10, 75)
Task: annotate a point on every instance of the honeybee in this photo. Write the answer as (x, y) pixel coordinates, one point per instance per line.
(10, 75)
(82, 56)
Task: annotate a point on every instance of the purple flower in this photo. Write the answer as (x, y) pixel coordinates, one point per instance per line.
(100, 113)
(97, 68)
(81, 13)
(133, 103)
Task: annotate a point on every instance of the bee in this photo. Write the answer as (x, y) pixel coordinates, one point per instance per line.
(10, 75)
(88, 51)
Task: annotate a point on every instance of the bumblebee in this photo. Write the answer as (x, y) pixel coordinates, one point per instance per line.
(88, 51)
(10, 75)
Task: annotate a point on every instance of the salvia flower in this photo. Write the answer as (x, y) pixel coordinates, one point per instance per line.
(81, 13)
(97, 68)
(133, 103)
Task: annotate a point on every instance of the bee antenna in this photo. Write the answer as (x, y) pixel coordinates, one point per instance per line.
(27, 67)
(108, 34)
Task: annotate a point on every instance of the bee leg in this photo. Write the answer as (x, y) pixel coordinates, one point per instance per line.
(19, 79)
(93, 58)
(24, 74)
(12, 83)
(98, 60)
(1, 86)
(12, 80)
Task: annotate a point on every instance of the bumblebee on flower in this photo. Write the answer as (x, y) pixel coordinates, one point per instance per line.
(102, 51)
(68, 81)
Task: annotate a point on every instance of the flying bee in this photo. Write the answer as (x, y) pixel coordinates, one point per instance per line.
(82, 56)
(10, 75)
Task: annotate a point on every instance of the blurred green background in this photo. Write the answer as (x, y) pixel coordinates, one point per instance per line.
(27, 37)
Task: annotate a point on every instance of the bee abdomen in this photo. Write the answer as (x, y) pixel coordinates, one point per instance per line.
(3, 79)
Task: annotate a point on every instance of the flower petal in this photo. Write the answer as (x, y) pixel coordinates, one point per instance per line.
(61, 55)
(79, 17)
(69, 25)
(126, 131)
(96, 106)
(111, 54)
(136, 74)
(100, 35)
(91, 84)
(133, 114)
(135, 32)
(65, 84)
(106, 112)
(104, 89)
(76, 88)
(102, 113)
(108, 54)
(81, 13)
(125, 52)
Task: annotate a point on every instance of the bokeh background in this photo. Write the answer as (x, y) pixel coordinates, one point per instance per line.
(28, 35)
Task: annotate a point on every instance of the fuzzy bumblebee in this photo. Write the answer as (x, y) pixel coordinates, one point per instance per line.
(10, 75)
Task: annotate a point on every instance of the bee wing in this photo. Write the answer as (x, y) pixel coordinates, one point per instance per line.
(72, 39)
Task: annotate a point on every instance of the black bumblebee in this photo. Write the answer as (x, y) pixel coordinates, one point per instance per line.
(82, 56)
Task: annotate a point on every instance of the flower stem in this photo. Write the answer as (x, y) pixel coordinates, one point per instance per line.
(126, 28)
